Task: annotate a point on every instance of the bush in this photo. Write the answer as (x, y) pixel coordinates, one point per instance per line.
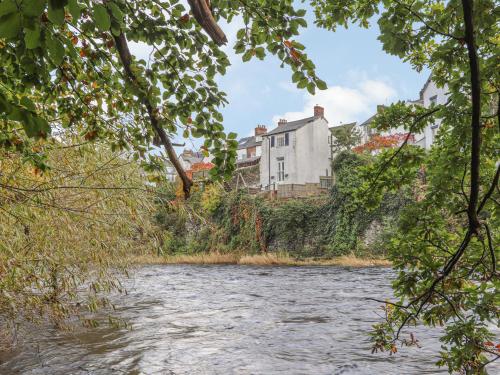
(310, 227)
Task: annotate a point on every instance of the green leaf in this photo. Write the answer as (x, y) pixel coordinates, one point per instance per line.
(7, 7)
(35, 126)
(74, 9)
(56, 50)
(10, 25)
(33, 8)
(28, 104)
(56, 12)
(247, 55)
(321, 84)
(116, 12)
(101, 17)
(302, 83)
(311, 88)
(297, 76)
(32, 37)
(260, 53)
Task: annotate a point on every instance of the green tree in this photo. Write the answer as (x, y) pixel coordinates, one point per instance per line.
(68, 61)
(345, 137)
(445, 250)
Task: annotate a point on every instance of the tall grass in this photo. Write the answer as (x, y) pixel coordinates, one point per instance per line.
(268, 259)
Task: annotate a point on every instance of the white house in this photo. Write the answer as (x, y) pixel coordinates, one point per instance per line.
(296, 152)
(429, 95)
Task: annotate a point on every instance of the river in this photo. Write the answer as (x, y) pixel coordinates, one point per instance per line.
(233, 320)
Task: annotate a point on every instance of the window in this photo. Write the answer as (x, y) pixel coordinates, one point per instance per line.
(433, 100)
(281, 169)
(272, 141)
(281, 141)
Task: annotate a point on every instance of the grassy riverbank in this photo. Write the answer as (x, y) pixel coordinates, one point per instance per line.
(281, 259)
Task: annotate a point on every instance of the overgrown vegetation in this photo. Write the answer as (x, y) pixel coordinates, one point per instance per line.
(322, 227)
(64, 233)
(67, 63)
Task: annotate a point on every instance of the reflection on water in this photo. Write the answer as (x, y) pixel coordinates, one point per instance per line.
(233, 320)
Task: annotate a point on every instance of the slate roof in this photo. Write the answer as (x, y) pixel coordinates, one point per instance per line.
(291, 125)
(248, 142)
(334, 129)
(367, 122)
(195, 157)
(425, 86)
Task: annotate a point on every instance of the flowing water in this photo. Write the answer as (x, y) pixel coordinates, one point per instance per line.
(233, 320)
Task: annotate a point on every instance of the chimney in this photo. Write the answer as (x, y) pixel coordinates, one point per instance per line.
(380, 108)
(282, 121)
(260, 129)
(319, 111)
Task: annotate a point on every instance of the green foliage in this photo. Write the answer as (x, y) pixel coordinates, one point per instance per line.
(347, 221)
(61, 56)
(325, 226)
(64, 233)
(345, 137)
(445, 246)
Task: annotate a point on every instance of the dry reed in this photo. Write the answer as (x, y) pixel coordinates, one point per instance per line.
(270, 259)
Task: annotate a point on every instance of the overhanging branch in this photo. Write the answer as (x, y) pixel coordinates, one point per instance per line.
(126, 60)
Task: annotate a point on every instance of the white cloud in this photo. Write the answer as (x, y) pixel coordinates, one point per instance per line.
(345, 104)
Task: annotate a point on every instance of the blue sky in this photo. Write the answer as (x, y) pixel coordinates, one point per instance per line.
(358, 72)
(351, 61)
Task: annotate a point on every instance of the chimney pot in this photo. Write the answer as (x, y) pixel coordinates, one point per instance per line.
(282, 121)
(319, 111)
(260, 129)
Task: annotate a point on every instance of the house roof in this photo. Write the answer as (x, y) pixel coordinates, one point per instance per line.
(425, 86)
(248, 161)
(291, 125)
(192, 157)
(334, 129)
(367, 122)
(248, 142)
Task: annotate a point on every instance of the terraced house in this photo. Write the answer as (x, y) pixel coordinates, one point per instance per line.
(249, 148)
(296, 152)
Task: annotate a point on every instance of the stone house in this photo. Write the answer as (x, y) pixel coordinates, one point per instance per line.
(296, 152)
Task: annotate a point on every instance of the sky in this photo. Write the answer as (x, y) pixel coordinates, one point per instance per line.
(359, 75)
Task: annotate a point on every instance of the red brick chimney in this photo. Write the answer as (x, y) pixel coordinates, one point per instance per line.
(319, 111)
(282, 121)
(260, 129)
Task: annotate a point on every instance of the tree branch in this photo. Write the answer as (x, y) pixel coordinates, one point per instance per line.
(203, 15)
(474, 225)
(126, 59)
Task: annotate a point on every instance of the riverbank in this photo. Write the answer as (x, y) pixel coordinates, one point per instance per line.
(259, 260)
